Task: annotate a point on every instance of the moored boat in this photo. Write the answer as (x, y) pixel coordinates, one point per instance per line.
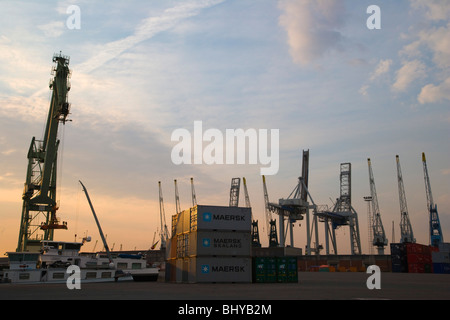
(52, 262)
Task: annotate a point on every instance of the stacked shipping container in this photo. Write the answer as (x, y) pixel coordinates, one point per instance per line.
(419, 258)
(210, 244)
(441, 258)
(275, 269)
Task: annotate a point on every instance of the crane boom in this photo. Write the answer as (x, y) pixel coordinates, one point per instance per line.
(406, 231)
(105, 244)
(379, 236)
(436, 236)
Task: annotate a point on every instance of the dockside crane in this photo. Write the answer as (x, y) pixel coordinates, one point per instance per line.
(162, 216)
(194, 197)
(255, 229)
(436, 236)
(270, 223)
(39, 220)
(379, 236)
(406, 231)
(177, 198)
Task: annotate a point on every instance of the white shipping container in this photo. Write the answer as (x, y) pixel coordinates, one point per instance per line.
(219, 243)
(220, 269)
(440, 257)
(220, 218)
(444, 247)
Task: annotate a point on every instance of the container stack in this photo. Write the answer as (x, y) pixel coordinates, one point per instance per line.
(210, 244)
(411, 258)
(441, 258)
(275, 269)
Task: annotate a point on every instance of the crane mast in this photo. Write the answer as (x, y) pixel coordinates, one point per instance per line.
(39, 220)
(406, 231)
(436, 236)
(379, 236)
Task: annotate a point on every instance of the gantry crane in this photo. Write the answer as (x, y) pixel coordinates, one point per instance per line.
(406, 231)
(39, 220)
(436, 236)
(342, 214)
(379, 236)
(162, 216)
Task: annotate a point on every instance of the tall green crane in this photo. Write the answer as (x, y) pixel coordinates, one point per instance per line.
(39, 208)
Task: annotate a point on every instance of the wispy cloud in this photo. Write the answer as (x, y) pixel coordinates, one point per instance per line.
(312, 27)
(408, 73)
(146, 29)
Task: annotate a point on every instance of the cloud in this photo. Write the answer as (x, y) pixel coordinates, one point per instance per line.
(52, 29)
(411, 71)
(432, 93)
(382, 68)
(311, 27)
(146, 29)
(435, 9)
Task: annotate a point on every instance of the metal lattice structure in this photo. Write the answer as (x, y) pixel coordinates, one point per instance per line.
(39, 220)
(342, 214)
(436, 236)
(379, 236)
(406, 231)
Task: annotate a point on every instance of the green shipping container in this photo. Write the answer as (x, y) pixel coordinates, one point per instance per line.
(272, 270)
(264, 270)
(292, 270)
(282, 267)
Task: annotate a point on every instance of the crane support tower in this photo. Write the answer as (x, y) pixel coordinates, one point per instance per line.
(39, 220)
(436, 236)
(406, 231)
(379, 236)
(342, 214)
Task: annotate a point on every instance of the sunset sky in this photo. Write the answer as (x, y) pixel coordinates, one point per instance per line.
(311, 69)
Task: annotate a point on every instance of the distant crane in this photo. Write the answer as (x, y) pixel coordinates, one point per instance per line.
(436, 236)
(177, 198)
(194, 197)
(162, 216)
(379, 236)
(39, 220)
(271, 226)
(105, 244)
(342, 214)
(406, 231)
(234, 192)
(368, 199)
(255, 229)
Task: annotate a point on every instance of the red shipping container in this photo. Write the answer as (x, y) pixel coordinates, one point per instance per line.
(416, 268)
(414, 258)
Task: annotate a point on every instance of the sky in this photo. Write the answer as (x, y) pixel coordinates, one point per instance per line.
(142, 69)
